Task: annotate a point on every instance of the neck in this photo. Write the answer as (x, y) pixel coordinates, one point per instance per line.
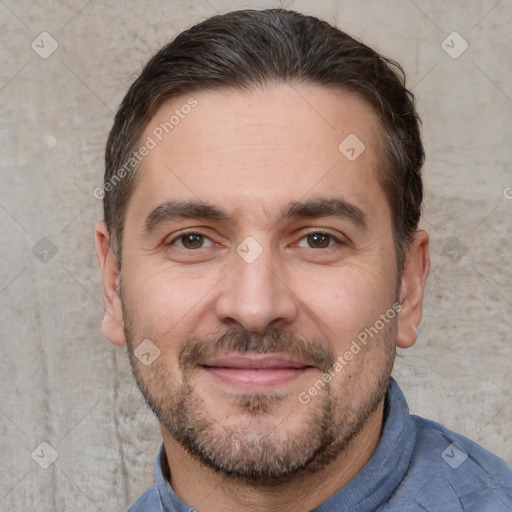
(204, 489)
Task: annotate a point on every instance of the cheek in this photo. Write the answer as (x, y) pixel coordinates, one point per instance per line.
(347, 301)
(163, 304)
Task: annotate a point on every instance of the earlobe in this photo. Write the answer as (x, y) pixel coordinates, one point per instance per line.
(414, 277)
(407, 334)
(113, 324)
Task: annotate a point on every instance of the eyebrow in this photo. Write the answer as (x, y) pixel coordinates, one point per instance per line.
(176, 210)
(326, 207)
(306, 209)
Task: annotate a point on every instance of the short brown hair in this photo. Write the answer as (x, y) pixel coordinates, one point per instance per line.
(243, 49)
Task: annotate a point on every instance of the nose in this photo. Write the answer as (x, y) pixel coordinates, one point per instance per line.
(256, 295)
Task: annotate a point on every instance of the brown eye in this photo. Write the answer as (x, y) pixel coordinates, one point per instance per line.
(191, 241)
(318, 240)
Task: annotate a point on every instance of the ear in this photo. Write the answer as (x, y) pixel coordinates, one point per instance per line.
(113, 324)
(414, 277)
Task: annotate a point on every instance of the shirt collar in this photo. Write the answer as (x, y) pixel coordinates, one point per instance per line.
(372, 486)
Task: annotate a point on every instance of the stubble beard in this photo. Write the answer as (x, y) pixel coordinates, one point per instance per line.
(257, 452)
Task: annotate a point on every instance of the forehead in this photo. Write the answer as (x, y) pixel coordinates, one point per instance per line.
(274, 143)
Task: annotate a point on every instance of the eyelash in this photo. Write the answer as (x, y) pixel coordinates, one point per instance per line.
(336, 242)
(183, 235)
(305, 235)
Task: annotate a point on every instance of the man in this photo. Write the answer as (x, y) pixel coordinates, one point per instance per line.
(261, 259)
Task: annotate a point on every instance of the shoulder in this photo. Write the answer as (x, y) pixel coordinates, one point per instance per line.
(458, 451)
(449, 469)
(147, 502)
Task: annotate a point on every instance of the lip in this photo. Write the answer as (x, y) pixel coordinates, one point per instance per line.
(255, 370)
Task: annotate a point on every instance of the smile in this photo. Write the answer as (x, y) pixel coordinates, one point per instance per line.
(258, 370)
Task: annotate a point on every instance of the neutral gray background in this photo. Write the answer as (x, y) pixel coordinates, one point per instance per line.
(63, 384)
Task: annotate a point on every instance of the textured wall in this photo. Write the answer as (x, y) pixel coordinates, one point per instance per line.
(61, 383)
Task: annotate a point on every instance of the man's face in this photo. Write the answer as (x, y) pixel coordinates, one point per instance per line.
(250, 294)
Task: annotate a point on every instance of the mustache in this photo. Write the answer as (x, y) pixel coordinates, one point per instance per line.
(314, 352)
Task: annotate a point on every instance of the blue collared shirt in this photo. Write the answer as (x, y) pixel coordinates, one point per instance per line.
(418, 465)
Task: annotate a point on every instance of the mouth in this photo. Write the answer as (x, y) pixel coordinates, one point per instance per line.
(255, 370)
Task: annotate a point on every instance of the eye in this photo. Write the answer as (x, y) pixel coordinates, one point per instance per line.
(191, 240)
(319, 240)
